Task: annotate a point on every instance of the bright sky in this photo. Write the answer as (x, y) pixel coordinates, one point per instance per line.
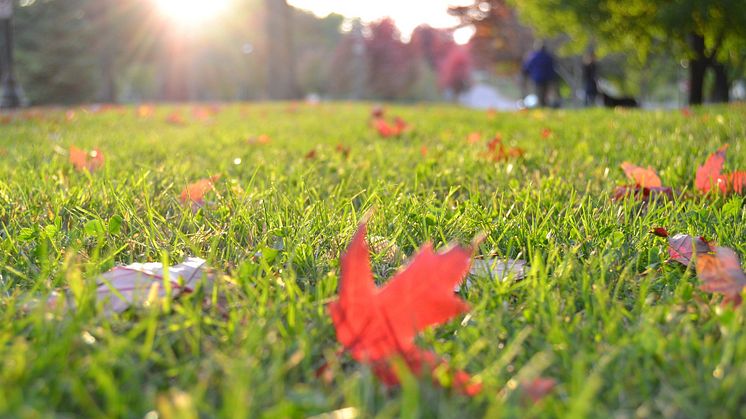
(408, 14)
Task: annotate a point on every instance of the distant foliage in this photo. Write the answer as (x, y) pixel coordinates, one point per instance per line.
(391, 66)
(455, 70)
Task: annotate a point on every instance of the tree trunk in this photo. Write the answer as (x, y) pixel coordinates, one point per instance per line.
(721, 89)
(697, 68)
(281, 83)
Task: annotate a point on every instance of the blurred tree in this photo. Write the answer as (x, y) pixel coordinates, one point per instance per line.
(499, 40)
(455, 71)
(281, 75)
(432, 44)
(347, 72)
(316, 49)
(54, 60)
(705, 33)
(391, 66)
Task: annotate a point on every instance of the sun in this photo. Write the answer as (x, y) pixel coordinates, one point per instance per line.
(191, 12)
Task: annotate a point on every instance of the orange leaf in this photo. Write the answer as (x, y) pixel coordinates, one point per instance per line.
(387, 130)
(176, 118)
(646, 178)
(83, 160)
(344, 151)
(721, 273)
(708, 175)
(474, 138)
(195, 192)
(145, 111)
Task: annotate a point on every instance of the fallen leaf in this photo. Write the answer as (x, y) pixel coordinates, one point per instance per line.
(387, 130)
(419, 361)
(473, 138)
(86, 160)
(145, 111)
(376, 324)
(645, 178)
(344, 151)
(140, 283)
(660, 232)
(647, 187)
(737, 182)
(176, 118)
(708, 175)
(720, 272)
(195, 192)
(259, 139)
(682, 248)
(499, 269)
(642, 194)
(498, 152)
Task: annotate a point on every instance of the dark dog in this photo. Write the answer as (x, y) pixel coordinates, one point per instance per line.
(622, 102)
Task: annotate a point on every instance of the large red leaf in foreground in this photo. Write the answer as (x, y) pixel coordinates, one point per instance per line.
(377, 324)
(721, 272)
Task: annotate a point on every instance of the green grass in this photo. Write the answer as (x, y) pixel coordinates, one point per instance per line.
(624, 334)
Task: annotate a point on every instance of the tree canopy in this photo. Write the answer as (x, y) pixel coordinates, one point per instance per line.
(704, 33)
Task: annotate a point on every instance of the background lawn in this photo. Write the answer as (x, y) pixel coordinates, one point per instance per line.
(624, 333)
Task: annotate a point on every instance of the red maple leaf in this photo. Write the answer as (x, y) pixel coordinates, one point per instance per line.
(387, 130)
(498, 152)
(721, 272)
(377, 324)
(737, 182)
(708, 175)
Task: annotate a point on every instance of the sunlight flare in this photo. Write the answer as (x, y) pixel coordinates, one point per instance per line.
(191, 12)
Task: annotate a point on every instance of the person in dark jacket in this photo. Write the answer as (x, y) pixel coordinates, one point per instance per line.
(539, 67)
(590, 78)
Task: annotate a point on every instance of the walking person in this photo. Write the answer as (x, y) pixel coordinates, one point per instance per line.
(539, 67)
(590, 78)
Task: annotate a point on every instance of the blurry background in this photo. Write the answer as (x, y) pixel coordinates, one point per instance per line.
(664, 52)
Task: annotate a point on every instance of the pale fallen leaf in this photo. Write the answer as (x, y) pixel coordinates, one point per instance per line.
(140, 284)
(494, 268)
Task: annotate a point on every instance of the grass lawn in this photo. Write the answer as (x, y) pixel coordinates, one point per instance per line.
(623, 333)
